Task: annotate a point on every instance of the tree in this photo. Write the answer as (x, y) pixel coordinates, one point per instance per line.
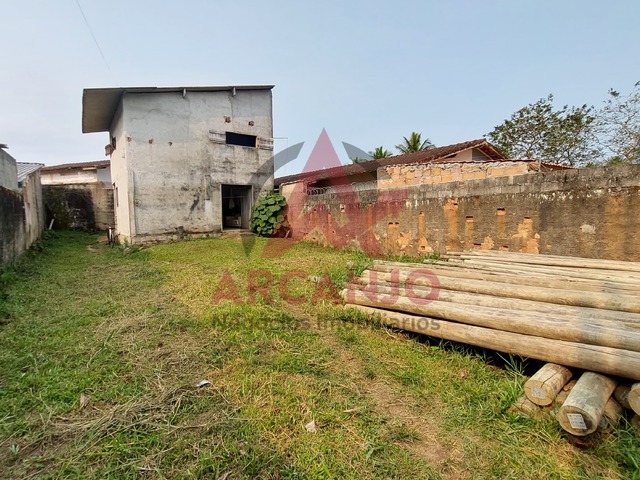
(414, 144)
(538, 131)
(380, 152)
(618, 126)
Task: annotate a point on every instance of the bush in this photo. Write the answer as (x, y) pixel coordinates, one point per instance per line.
(268, 215)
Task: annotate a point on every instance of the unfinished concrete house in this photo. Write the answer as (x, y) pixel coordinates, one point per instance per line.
(185, 161)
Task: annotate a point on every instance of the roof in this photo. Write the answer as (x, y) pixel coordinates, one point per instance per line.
(25, 169)
(81, 165)
(99, 105)
(430, 155)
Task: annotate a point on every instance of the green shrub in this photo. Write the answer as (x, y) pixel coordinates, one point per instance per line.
(268, 214)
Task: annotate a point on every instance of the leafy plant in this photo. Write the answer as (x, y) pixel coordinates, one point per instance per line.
(268, 214)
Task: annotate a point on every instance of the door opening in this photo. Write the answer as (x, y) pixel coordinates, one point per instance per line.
(236, 206)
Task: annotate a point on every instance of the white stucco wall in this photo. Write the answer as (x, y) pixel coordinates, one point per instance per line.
(8, 171)
(174, 171)
(120, 178)
(69, 177)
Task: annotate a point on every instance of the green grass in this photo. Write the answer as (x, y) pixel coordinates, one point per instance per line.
(101, 350)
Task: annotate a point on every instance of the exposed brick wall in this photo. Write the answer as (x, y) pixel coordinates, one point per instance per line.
(590, 212)
(426, 174)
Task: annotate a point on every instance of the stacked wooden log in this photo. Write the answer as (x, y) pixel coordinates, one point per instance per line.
(576, 312)
(592, 402)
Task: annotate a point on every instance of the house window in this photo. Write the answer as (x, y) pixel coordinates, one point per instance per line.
(233, 138)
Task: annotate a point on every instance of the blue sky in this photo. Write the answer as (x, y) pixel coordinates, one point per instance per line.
(369, 72)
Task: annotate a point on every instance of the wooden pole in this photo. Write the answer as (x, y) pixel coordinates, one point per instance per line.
(389, 289)
(610, 301)
(502, 276)
(611, 361)
(527, 408)
(635, 423)
(600, 332)
(611, 415)
(634, 397)
(564, 393)
(583, 409)
(621, 394)
(543, 387)
(556, 260)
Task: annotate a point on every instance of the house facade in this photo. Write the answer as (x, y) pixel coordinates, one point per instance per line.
(471, 160)
(98, 171)
(184, 161)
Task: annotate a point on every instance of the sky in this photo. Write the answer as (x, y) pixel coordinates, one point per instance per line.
(369, 72)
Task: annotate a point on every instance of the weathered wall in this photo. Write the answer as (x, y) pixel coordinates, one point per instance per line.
(8, 171)
(76, 175)
(589, 212)
(79, 206)
(167, 170)
(69, 176)
(34, 210)
(12, 223)
(423, 174)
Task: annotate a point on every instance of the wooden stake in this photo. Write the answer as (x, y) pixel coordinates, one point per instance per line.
(527, 408)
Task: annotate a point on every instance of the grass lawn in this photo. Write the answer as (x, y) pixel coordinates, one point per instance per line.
(101, 351)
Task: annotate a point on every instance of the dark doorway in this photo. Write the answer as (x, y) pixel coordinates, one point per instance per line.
(236, 206)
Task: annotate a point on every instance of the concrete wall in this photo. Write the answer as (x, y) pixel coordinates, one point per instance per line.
(86, 206)
(12, 222)
(21, 218)
(589, 212)
(169, 172)
(8, 171)
(34, 211)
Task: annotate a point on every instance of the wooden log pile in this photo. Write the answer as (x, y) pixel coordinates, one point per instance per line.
(572, 312)
(593, 402)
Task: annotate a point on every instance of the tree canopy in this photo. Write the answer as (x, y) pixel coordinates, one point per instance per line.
(414, 143)
(574, 135)
(539, 131)
(618, 126)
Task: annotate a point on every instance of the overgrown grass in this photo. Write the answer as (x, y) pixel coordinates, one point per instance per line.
(102, 349)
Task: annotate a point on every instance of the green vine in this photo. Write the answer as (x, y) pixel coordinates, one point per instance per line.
(268, 214)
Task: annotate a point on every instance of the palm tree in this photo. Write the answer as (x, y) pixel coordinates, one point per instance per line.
(414, 144)
(380, 152)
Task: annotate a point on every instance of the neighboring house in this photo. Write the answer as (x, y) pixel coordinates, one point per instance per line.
(21, 207)
(187, 161)
(83, 172)
(470, 160)
(79, 195)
